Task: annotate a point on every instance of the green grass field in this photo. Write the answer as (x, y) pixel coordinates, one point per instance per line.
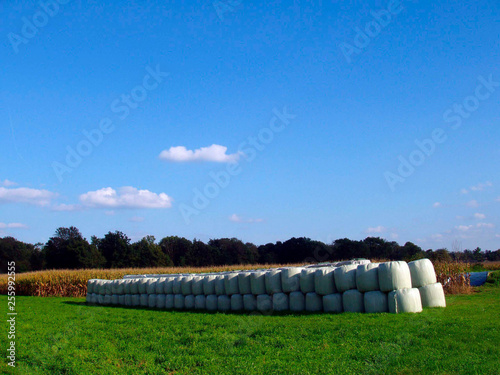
(65, 336)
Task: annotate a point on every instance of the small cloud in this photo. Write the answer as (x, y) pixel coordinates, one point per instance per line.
(13, 226)
(66, 207)
(26, 195)
(125, 197)
(481, 186)
(8, 183)
(238, 219)
(479, 216)
(437, 236)
(464, 228)
(464, 191)
(136, 219)
(485, 225)
(214, 153)
(378, 229)
(436, 205)
(473, 203)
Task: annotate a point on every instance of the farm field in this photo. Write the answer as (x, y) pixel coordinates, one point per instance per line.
(65, 336)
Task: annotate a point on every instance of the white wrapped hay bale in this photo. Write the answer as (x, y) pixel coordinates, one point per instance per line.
(168, 286)
(273, 281)
(114, 299)
(211, 302)
(189, 302)
(290, 279)
(169, 301)
(144, 300)
(345, 277)
(220, 289)
(332, 303)
(114, 287)
(249, 302)
(136, 299)
(120, 288)
(353, 301)
(367, 277)
(99, 287)
(106, 299)
(197, 285)
(314, 302)
(231, 283)
(186, 285)
(280, 302)
(258, 282)
(179, 301)
(376, 302)
(422, 273)
(244, 282)
(90, 286)
(134, 286)
(208, 285)
(236, 302)
(152, 300)
(324, 281)
(177, 285)
(143, 286)
(126, 286)
(121, 299)
(393, 276)
(432, 295)
(88, 297)
(108, 287)
(151, 286)
(307, 280)
(223, 303)
(297, 301)
(200, 302)
(264, 303)
(160, 301)
(405, 300)
(160, 285)
(128, 299)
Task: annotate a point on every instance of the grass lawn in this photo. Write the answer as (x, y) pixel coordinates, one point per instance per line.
(65, 336)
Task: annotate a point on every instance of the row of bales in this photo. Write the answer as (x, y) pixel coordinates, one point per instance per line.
(394, 287)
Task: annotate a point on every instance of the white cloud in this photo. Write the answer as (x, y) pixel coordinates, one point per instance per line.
(378, 229)
(7, 183)
(473, 203)
(437, 236)
(126, 197)
(464, 228)
(238, 219)
(394, 236)
(485, 225)
(26, 195)
(436, 205)
(481, 186)
(66, 207)
(215, 153)
(479, 216)
(13, 226)
(464, 191)
(136, 219)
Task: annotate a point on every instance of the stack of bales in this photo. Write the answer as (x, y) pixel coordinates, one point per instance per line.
(358, 286)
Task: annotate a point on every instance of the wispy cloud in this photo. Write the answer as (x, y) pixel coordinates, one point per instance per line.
(436, 204)
(13, 226)
(213, 153)
(136, 219)
(473, 203)
(125, 197)
(378, 229)
(485, 225)
(479, 187)
(26, 195)
(479, 216)
(464, 228)
(7, 183)
(66, 207)
(238, 219)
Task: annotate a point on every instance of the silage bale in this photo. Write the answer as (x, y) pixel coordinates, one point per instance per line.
(307, 280)
(108, 287)
(114, 299)
(332, 303)
(280, 302)
(177, 285)
(376, 302)
(393, 276)
(367, 277)
(209, 284)
(134, 286)
(189, 302)
(126, 286)
(264, 303)
(120, 289)
(151, 300)
(236, 302)
(169, 301)
(297, 301)
(290, 279)
(90, 286)
(121, 299)
(143, 285)
(258, 282)
(144, 299)
(422, 273)
(273, 281)
(88, 297)
(100, 299)
(151, 286)
(179, 301)
(211, 302)
(223, 303)
(197, 285)
(186, 285)
(219, 285)
(160, 300)
(353, 301)
(200, 302)
(404, 300)
(231, 283)
(432, 295)
(244, 282)
(136, 299)
(160, 285)
(249, 302)
(314, 302)
(345, 277)
(168, 286)
(128, 299)
(114, 287)
(324, 281)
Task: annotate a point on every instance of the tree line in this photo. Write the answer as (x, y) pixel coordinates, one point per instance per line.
(68, 249)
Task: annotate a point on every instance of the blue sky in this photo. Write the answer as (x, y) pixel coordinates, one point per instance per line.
(255, 120)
